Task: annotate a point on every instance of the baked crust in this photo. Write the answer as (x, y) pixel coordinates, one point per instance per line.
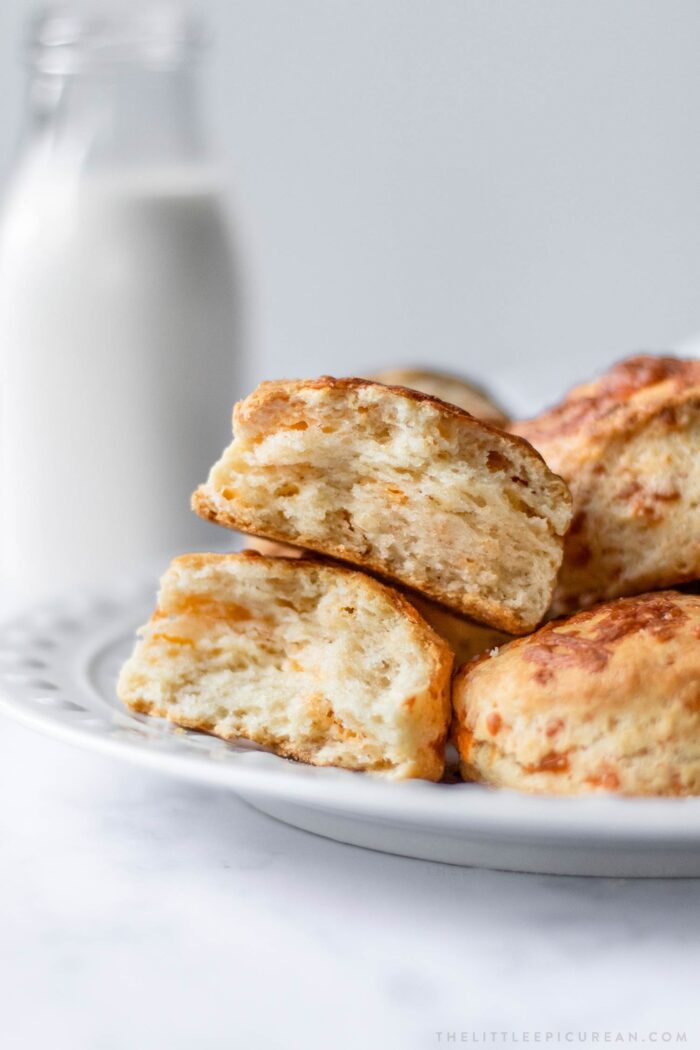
(607, 700)
(268, 390)
(270, 411)
(218, 655)
(626, 444)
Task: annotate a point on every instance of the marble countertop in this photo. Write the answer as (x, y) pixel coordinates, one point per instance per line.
(139, 912)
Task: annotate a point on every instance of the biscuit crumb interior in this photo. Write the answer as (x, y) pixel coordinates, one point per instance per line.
(303, 659)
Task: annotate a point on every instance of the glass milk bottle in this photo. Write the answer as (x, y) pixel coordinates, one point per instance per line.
(119, 348)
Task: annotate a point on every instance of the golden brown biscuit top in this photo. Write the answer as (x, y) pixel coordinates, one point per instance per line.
(586, 640)
(579, 648)
(268, 392)
(628, 393)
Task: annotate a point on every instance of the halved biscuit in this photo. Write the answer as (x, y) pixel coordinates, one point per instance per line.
(453, 389)
(628, 445)
(401, 484)
(608, 700)
(319, 663)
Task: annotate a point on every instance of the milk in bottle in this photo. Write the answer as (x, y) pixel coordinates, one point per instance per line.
(119, 324)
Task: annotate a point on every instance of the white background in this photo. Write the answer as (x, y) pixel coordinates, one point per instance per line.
(511, 187)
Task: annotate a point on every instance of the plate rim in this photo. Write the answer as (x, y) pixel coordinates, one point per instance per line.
(466, 809)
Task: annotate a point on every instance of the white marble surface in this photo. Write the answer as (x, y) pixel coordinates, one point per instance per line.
(137, 911)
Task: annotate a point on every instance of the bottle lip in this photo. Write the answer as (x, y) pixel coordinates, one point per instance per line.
(70, 40)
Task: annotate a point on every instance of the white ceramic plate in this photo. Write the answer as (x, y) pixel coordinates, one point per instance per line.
(58, 667)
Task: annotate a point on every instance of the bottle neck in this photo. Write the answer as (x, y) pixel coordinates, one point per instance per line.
(115, 88)
(117, 116)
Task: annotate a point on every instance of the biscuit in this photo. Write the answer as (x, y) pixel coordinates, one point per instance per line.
(401, 484)
(608, 700)
(316, 662)
(627, 444)
(448, 388)
(465, 637)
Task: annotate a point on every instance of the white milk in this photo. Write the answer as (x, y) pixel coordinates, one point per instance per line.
(118, 370)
